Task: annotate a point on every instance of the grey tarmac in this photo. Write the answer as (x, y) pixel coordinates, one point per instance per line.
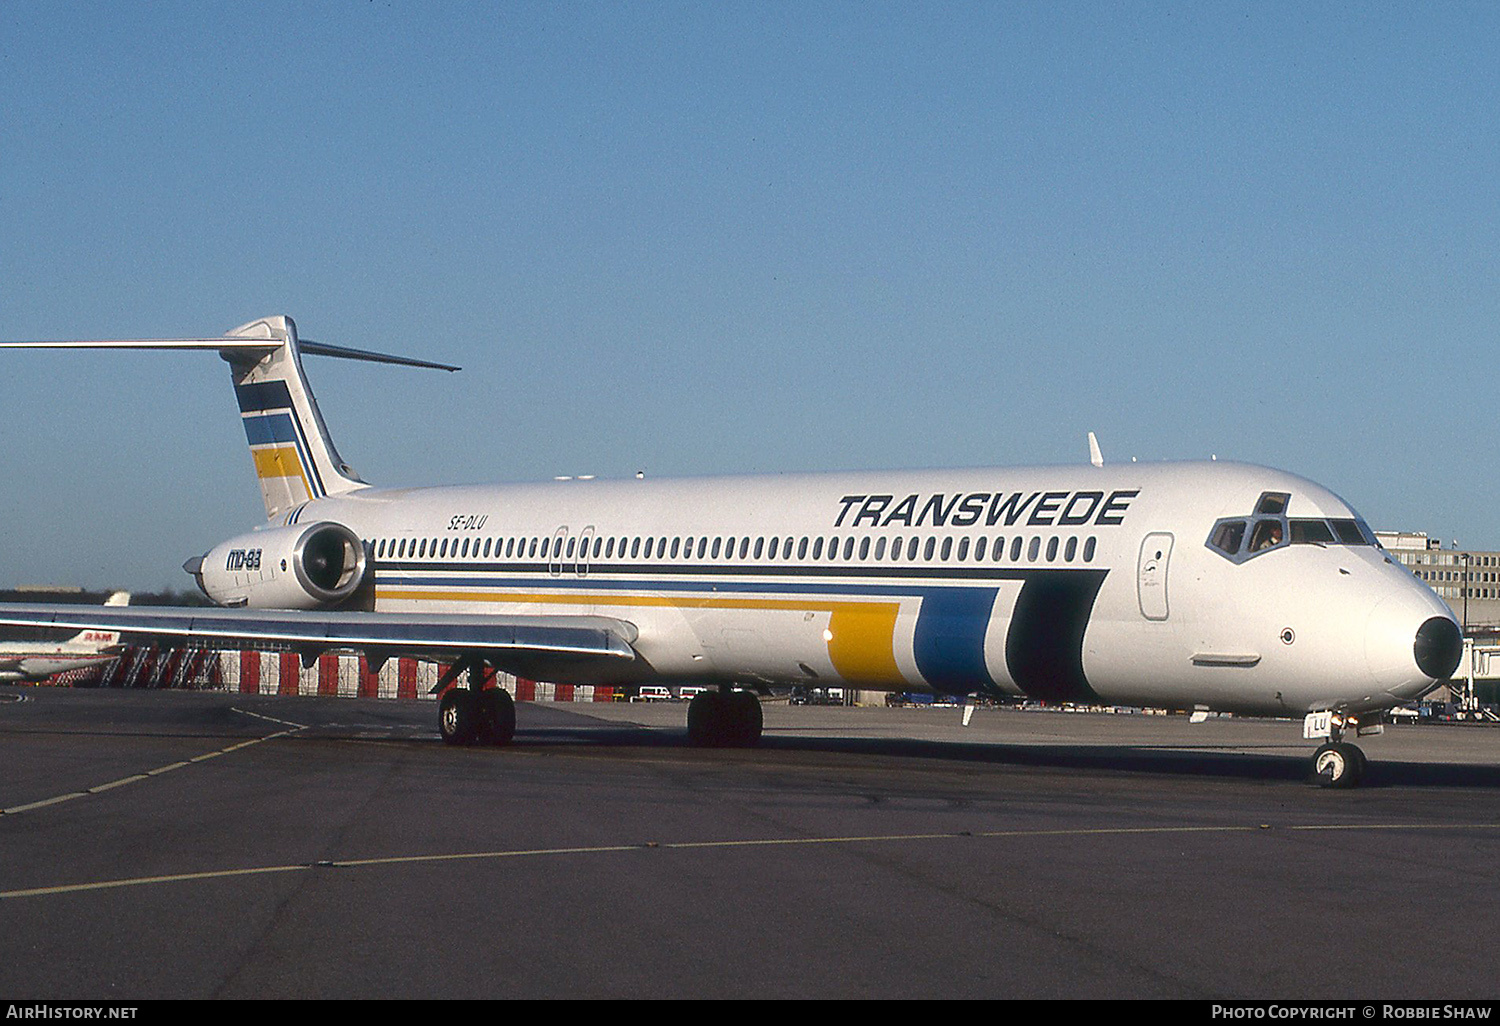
(176, 844)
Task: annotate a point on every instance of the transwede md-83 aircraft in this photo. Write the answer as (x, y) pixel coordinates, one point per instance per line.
(1207, 586)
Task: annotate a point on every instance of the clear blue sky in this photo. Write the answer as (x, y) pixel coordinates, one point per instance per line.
(710, 238)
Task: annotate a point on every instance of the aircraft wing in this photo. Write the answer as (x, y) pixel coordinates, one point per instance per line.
(567, 648)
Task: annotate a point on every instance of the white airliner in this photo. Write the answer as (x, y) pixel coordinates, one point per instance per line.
(1196, 586)
(38, 660)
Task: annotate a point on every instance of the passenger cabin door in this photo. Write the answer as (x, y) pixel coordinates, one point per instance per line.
(1151, 575)
(585, 542)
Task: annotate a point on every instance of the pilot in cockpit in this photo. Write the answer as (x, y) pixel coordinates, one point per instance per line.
(1267, 536)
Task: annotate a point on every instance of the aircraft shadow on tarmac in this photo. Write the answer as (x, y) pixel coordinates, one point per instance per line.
(1152, 759)
(1170, 760)
(558, 727)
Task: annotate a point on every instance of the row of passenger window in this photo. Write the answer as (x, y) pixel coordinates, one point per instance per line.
(912, 549)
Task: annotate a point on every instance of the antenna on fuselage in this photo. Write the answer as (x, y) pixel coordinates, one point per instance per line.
(1095, 456)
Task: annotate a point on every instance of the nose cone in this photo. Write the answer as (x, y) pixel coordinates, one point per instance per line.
(1410, 642)
(1439, 647)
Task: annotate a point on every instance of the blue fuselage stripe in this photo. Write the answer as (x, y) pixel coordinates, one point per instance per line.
(920, 588)
(949, 641)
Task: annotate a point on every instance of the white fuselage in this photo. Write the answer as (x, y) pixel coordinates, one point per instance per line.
(1085, 584)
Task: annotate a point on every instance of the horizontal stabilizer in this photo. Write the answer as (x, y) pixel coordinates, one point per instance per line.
(344, 352)
(228, 347)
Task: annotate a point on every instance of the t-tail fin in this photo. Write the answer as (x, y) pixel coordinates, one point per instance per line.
(294, 456)
(295, 460)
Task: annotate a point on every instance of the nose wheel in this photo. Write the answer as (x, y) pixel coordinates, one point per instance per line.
(1338, 764)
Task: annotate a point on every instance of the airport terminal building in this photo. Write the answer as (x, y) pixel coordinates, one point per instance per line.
(1468, 581)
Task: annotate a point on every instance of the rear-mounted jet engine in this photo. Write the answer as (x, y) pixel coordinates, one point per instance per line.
(302, 567)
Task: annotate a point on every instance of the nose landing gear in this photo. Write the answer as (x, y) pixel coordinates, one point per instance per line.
(1338, 764)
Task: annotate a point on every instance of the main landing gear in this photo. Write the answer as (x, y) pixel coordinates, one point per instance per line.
(724, 719)
(475, 715)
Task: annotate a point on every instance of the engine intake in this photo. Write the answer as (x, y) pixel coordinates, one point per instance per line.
(311, 567)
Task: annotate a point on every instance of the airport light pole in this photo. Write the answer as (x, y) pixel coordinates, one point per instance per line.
(1471, 699)
(1465, 557)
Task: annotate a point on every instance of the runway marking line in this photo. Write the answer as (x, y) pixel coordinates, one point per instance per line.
(395, 860)
(270, 719)
(133, 778)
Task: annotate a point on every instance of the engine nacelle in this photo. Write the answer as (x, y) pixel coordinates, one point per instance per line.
(301, 567)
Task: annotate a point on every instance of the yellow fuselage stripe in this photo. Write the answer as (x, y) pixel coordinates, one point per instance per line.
(863, 644)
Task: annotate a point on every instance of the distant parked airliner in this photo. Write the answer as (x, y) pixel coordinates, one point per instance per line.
(38, 660)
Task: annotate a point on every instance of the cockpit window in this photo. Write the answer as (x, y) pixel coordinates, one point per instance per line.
(1227, 536)
(1267, 535)
(1353, 532)
(1311, 532)
(1269, 528)
(1272, 503)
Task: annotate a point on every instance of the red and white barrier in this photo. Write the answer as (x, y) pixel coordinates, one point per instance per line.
(345, 675)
